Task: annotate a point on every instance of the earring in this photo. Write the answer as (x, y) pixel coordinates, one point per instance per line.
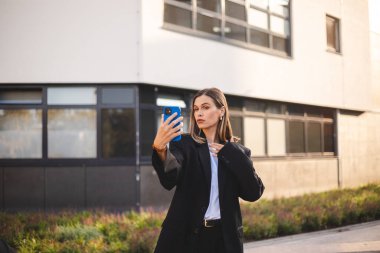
(221, 117)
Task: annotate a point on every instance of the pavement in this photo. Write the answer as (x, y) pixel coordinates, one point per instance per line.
(363, 238)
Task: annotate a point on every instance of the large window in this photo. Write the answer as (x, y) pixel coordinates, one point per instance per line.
(20, 123)
(20, 133)
(55, 125)
(71, 122)
(272, 129)
(332, 34)
(256, 24)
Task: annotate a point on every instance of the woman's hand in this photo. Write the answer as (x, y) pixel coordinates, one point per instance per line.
(215, 148)
(166, 132)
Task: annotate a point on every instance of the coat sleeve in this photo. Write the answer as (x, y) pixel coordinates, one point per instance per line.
(168, 171)
(238, 160)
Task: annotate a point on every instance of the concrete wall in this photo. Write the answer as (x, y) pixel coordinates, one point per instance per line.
(359, 148)
(285, 178)
(69, 41)
(311, 76)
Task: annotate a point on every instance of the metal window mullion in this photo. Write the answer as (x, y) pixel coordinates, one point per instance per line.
(223, 17)
(194, 14)
(98, 123)
(44, 124)
(322, 137)
(269, 29)
(305, 133)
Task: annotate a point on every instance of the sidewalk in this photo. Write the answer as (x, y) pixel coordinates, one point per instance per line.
(364, 238)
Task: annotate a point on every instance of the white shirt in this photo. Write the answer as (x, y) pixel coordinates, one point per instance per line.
(213, 210)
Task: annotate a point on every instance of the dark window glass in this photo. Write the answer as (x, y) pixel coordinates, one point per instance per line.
(236, 124)
(235, 32)
(295, 110)
(24, 96)
(280, 44)
(184, 1)
(234, 103)
(313, 112)
(255, 106)
(148, 130)
(208, 24)
(212, 5)
(296, 137)
(259, 38)
(177, 16)
(235, 10)
(274, 108)
(328, 113)
(118, 96)
(147, 95)
(328, 132)
(118, 133)
(314, 133)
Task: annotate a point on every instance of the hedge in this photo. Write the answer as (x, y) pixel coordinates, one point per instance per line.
(71, 231)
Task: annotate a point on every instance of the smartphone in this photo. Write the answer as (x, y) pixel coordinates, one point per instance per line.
(169, 110)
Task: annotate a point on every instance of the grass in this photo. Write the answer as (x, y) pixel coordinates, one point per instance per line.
(72, 231)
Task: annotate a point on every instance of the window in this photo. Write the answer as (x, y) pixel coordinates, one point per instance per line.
(254, 135)
(55, 125)
(332, 34)
(71, 133)
(118, 122)
(20, 133)
(118, 133)
(20, 128)
(20, 96)
(70, 124)
(255, 24)
(276, 136)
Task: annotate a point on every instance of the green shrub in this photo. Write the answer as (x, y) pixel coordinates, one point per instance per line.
(71, 231)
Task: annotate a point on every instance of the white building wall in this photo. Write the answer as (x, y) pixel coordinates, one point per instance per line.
(374, 10)
(69, 41)
(311, 76)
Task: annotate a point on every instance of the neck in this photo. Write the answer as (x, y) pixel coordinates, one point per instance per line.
(210, 135)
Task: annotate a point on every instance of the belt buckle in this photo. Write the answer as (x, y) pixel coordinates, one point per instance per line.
(205, 224)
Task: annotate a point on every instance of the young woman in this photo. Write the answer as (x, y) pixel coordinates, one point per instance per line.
(210, 171)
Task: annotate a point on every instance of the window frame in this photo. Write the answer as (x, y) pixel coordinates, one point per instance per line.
(337, 30)
(60, 162)
(226, 19)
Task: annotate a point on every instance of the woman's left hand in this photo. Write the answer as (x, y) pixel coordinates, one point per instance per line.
(215, 148)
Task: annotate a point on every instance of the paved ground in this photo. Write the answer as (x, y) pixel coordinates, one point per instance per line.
(363, 238)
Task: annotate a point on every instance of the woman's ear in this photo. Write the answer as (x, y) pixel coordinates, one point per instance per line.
(223, 110)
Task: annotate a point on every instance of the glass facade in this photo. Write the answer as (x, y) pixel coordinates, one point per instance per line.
(104, 124)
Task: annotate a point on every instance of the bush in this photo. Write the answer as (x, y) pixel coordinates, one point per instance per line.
(130, 232)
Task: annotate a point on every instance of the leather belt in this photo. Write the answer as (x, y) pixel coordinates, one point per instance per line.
(211, 223)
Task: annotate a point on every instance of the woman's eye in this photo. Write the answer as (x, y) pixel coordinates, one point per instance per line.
(195, 109)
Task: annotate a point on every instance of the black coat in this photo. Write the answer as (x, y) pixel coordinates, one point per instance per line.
(192, 177)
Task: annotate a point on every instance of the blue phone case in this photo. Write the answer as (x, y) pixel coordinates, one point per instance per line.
(169, 110)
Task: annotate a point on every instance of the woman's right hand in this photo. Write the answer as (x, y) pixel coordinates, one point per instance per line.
(166, 132)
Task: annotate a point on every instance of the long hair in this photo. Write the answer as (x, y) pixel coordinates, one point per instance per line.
(224, 129)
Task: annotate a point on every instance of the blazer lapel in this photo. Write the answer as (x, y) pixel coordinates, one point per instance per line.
(204, 157)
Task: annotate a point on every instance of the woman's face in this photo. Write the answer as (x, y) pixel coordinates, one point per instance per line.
(206, 113)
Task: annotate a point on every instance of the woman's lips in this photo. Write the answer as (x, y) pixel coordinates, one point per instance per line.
(200, 121)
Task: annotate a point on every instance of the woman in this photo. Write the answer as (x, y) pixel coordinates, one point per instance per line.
(210, 171)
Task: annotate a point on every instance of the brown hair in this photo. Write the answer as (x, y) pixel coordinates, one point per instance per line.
(224, 129)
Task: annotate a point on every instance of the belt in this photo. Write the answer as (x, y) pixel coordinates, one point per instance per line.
(211, 223)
